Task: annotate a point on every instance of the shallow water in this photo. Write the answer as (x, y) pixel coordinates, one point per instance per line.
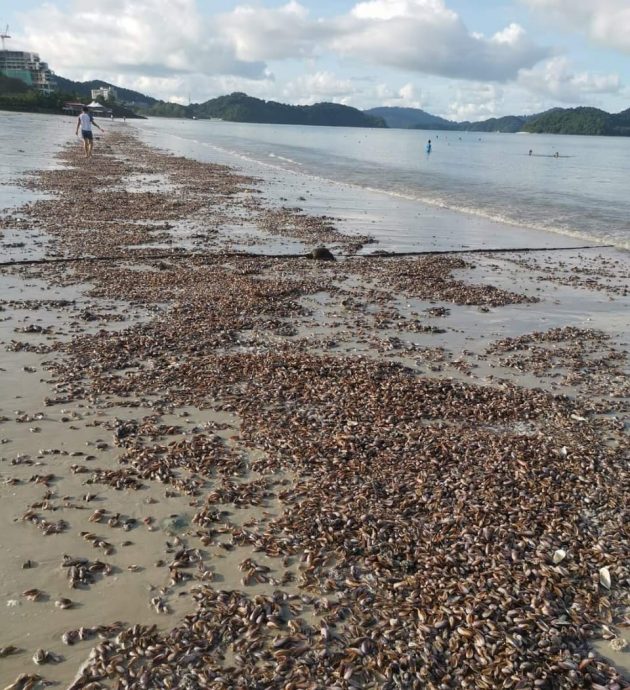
(489, 177)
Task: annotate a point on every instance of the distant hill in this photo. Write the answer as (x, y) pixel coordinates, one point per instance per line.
(580, 121)
(619, 124)
(554, 121)
(408, 118)
(239, 107)
(509, 123)
(84, 89)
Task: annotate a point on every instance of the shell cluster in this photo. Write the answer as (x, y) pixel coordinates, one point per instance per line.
(425, 533)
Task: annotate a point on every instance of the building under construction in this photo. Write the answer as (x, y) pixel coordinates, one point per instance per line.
(27, 67)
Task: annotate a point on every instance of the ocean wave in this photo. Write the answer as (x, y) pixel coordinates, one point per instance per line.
(283, 158)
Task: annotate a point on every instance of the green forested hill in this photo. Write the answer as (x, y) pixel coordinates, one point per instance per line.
(238, 107)
(84, 89)
(570, 121)
(619, 124)
(555, 121)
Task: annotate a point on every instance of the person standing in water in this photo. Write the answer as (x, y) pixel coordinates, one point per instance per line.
(85, 122)
(429, 146)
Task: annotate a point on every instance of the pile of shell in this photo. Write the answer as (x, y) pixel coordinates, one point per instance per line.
(82, 571)
(426, 524)
(573, 357)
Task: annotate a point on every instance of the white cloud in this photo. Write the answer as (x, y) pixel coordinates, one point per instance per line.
(414, 35)
(604, 21)
(148, 37)
(319, 86)
(170, 49)
(407, 96)
(554, 78)
(258, 33)
(425, 36)
(476, 102)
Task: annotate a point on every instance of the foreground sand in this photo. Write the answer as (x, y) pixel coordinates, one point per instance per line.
(259, 472)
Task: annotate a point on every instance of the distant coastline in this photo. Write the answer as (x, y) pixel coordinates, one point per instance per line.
(239, 107)
(582, 120)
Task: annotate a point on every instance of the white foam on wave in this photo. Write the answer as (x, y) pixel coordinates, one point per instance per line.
(283, 158)
(498, 217)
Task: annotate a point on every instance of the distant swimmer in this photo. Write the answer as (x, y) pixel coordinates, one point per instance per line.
(429, 146)
(556, 155)
(530, 152)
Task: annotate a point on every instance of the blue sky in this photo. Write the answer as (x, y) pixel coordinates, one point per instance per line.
(461, 59)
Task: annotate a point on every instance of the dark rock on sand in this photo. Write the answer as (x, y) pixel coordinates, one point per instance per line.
(322, 254)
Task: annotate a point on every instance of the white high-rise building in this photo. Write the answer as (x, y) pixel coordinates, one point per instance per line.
(107, 92)
(27, 67)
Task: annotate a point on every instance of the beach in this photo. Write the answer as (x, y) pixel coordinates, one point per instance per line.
(225, 463)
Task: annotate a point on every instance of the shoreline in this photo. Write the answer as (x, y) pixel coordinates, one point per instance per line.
(409, 210)
(314, 432)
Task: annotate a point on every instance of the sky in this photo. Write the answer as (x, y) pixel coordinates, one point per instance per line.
(459, 59)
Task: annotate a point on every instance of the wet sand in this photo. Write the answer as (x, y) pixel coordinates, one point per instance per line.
(278, 446)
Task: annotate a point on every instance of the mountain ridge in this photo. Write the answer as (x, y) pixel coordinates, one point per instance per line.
(578, 120)
(407, 118)
(239, 107)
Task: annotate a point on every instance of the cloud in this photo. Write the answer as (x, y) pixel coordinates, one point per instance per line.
(319, 86)
(414, 35)
(174, 48)
(604, 21)
(407, 96)
(425, 36)
(476, 102)
(257, 33)
(149, 37)
(555, 78)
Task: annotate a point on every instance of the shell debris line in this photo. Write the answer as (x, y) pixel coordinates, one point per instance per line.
(275, 490)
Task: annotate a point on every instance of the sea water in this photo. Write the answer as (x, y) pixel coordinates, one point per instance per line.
(474, 190)
(582, 193)
(28, 142)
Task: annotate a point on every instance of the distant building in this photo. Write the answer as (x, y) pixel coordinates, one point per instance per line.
(106, 92)
(27, 67)
(75, 108)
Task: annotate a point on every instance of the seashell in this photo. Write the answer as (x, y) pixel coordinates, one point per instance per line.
(559, 555)
(64, 603)
(618, 644)
(604, 577)
(10, 649)
(25, 681)
(69, 637)
(33, 594)
(40, 656)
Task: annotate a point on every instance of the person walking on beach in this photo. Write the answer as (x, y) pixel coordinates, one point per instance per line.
(85, 122)
(429, 146)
